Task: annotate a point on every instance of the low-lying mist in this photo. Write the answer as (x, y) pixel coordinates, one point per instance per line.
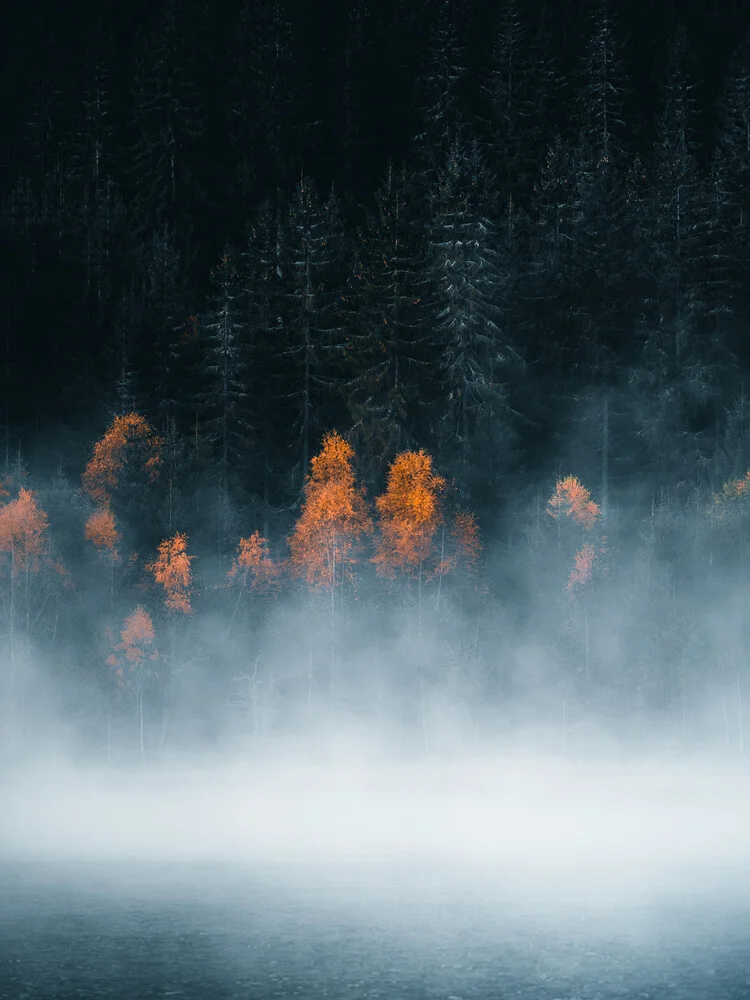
(537, 824)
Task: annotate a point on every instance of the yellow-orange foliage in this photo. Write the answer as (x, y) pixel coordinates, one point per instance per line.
(465, 533)
(101, 530)
(253, 563)
(583, 568)
(334, 519)
(411, 510)
(101, 475)
(136, 643)
(172, 570)
(23, 530)
(573, 499)
(734, 488)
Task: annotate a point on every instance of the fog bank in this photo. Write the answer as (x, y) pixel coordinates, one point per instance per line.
(535, 823)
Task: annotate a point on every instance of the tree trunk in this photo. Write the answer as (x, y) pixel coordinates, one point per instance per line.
(741, 730)
(605, 458)
(140, 720)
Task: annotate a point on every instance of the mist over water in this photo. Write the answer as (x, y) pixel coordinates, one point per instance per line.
(521, 816)
(498, 877)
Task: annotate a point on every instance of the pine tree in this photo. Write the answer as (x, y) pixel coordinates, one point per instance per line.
(603, 249)
(385, 353)
(266, 372)
(261, 91)
(312, 262)
(676, 338)
(678, 226)
(225, 417)
(731, 182)
(167, 119)
(163, 328)
(439, 93)
(509, 112)
(466, 284)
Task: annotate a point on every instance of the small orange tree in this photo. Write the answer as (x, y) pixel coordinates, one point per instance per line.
(252, 568)
(410, 512)
(571, 499)
(131, 657)
(23, 550)
(101, 531)
(328, 536)
(252, 564)
(129, 438)
(171, 569)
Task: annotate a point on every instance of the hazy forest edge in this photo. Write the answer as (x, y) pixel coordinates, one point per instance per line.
(398, 388)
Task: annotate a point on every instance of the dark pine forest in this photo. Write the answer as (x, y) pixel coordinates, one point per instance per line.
(374, 367)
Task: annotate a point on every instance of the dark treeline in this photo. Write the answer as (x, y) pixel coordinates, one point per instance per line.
(514, 237)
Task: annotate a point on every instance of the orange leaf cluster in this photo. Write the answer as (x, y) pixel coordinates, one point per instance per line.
(23, 530)
(334, 517)
(101, 530)
(583, 568)
(465, 533)
(411, 511)
(126, 432)
(172, 570)
(136, 642)
(573, 499)
(734, 488)
(252, 561)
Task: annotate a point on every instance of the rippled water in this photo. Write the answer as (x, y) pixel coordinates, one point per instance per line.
(188, 915)
(218, 932)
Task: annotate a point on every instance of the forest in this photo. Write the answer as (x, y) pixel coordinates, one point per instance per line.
(374, 371)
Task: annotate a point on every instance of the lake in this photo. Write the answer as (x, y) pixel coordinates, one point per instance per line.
(350, 891)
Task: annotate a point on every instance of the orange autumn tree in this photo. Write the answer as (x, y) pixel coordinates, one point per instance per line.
(410, 513)
(23, 532)
(583, 568)
(171, 569)
(460, 548)
(128, 438)
(734, 488)
(132, 656)
(101, 531)
(23, 546)
(252, 565)
(253, 569)
(329, 532)
(572, 499)
(464, 545)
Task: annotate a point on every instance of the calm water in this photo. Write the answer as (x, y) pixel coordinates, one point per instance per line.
(141, 929)
(536, 882)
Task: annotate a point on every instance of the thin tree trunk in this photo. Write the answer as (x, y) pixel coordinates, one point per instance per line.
(586, 643)
(440, 575)
(140, 720)
(726, 720)
(741, 730)
(309, 671)
(423, 713)
(605, 458)
(419, 602)
(332, 666)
